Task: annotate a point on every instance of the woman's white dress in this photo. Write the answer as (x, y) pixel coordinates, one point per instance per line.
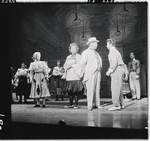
(38, 72)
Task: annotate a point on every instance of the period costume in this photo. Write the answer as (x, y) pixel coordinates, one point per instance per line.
(74, 85)
(21, 83)
(91, 63)
(38, 74)
(57, 73)
(73, 80)
(134, 74)
(117, 70)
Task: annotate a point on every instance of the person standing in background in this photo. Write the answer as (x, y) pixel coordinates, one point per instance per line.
(116, 71)
(134, 77)
(22, 88)
(57, 79)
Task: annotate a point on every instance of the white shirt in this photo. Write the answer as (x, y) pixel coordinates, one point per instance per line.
(21, 72)
(57, 71)
(38, 66)
(71, 73)
(115, 59)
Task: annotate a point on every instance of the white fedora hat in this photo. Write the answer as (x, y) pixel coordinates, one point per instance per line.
(92, 39)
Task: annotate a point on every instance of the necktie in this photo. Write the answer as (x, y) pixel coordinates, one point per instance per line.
(98, 60)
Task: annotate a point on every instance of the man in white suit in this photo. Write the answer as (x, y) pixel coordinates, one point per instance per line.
(116, 71)
(92, 63)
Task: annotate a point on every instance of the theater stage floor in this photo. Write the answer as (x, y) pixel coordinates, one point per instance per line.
(133, 116)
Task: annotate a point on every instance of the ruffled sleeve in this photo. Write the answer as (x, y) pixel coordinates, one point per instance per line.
(17, 73)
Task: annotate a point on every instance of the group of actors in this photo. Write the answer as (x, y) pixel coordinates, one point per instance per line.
(83, 72)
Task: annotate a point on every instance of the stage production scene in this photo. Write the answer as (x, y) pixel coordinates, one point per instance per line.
(76, 66)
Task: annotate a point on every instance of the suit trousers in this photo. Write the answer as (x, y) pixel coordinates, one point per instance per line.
(93, 89)
(134, 85)
(116, 86)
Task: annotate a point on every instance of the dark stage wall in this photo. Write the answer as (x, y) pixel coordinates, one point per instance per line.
(35, 27)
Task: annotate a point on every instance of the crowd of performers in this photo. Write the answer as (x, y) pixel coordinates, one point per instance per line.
(78, 74)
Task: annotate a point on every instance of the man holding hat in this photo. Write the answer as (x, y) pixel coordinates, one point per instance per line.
(92, 64)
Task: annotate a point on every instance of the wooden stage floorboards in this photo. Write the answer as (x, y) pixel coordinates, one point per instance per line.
(131, 122)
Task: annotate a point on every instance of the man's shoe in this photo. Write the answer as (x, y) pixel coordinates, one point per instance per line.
(122, 107)
(114, 108)
(76, 107)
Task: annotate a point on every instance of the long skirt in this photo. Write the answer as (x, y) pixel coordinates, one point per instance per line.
(55, 83)
(39, 88)
(22, 88)
(74, 86)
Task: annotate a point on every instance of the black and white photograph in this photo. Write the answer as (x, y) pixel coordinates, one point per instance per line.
(75, 70)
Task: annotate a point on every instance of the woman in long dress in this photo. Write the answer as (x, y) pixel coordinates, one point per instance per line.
(21, 77)
(74, 86)
(39, 78)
